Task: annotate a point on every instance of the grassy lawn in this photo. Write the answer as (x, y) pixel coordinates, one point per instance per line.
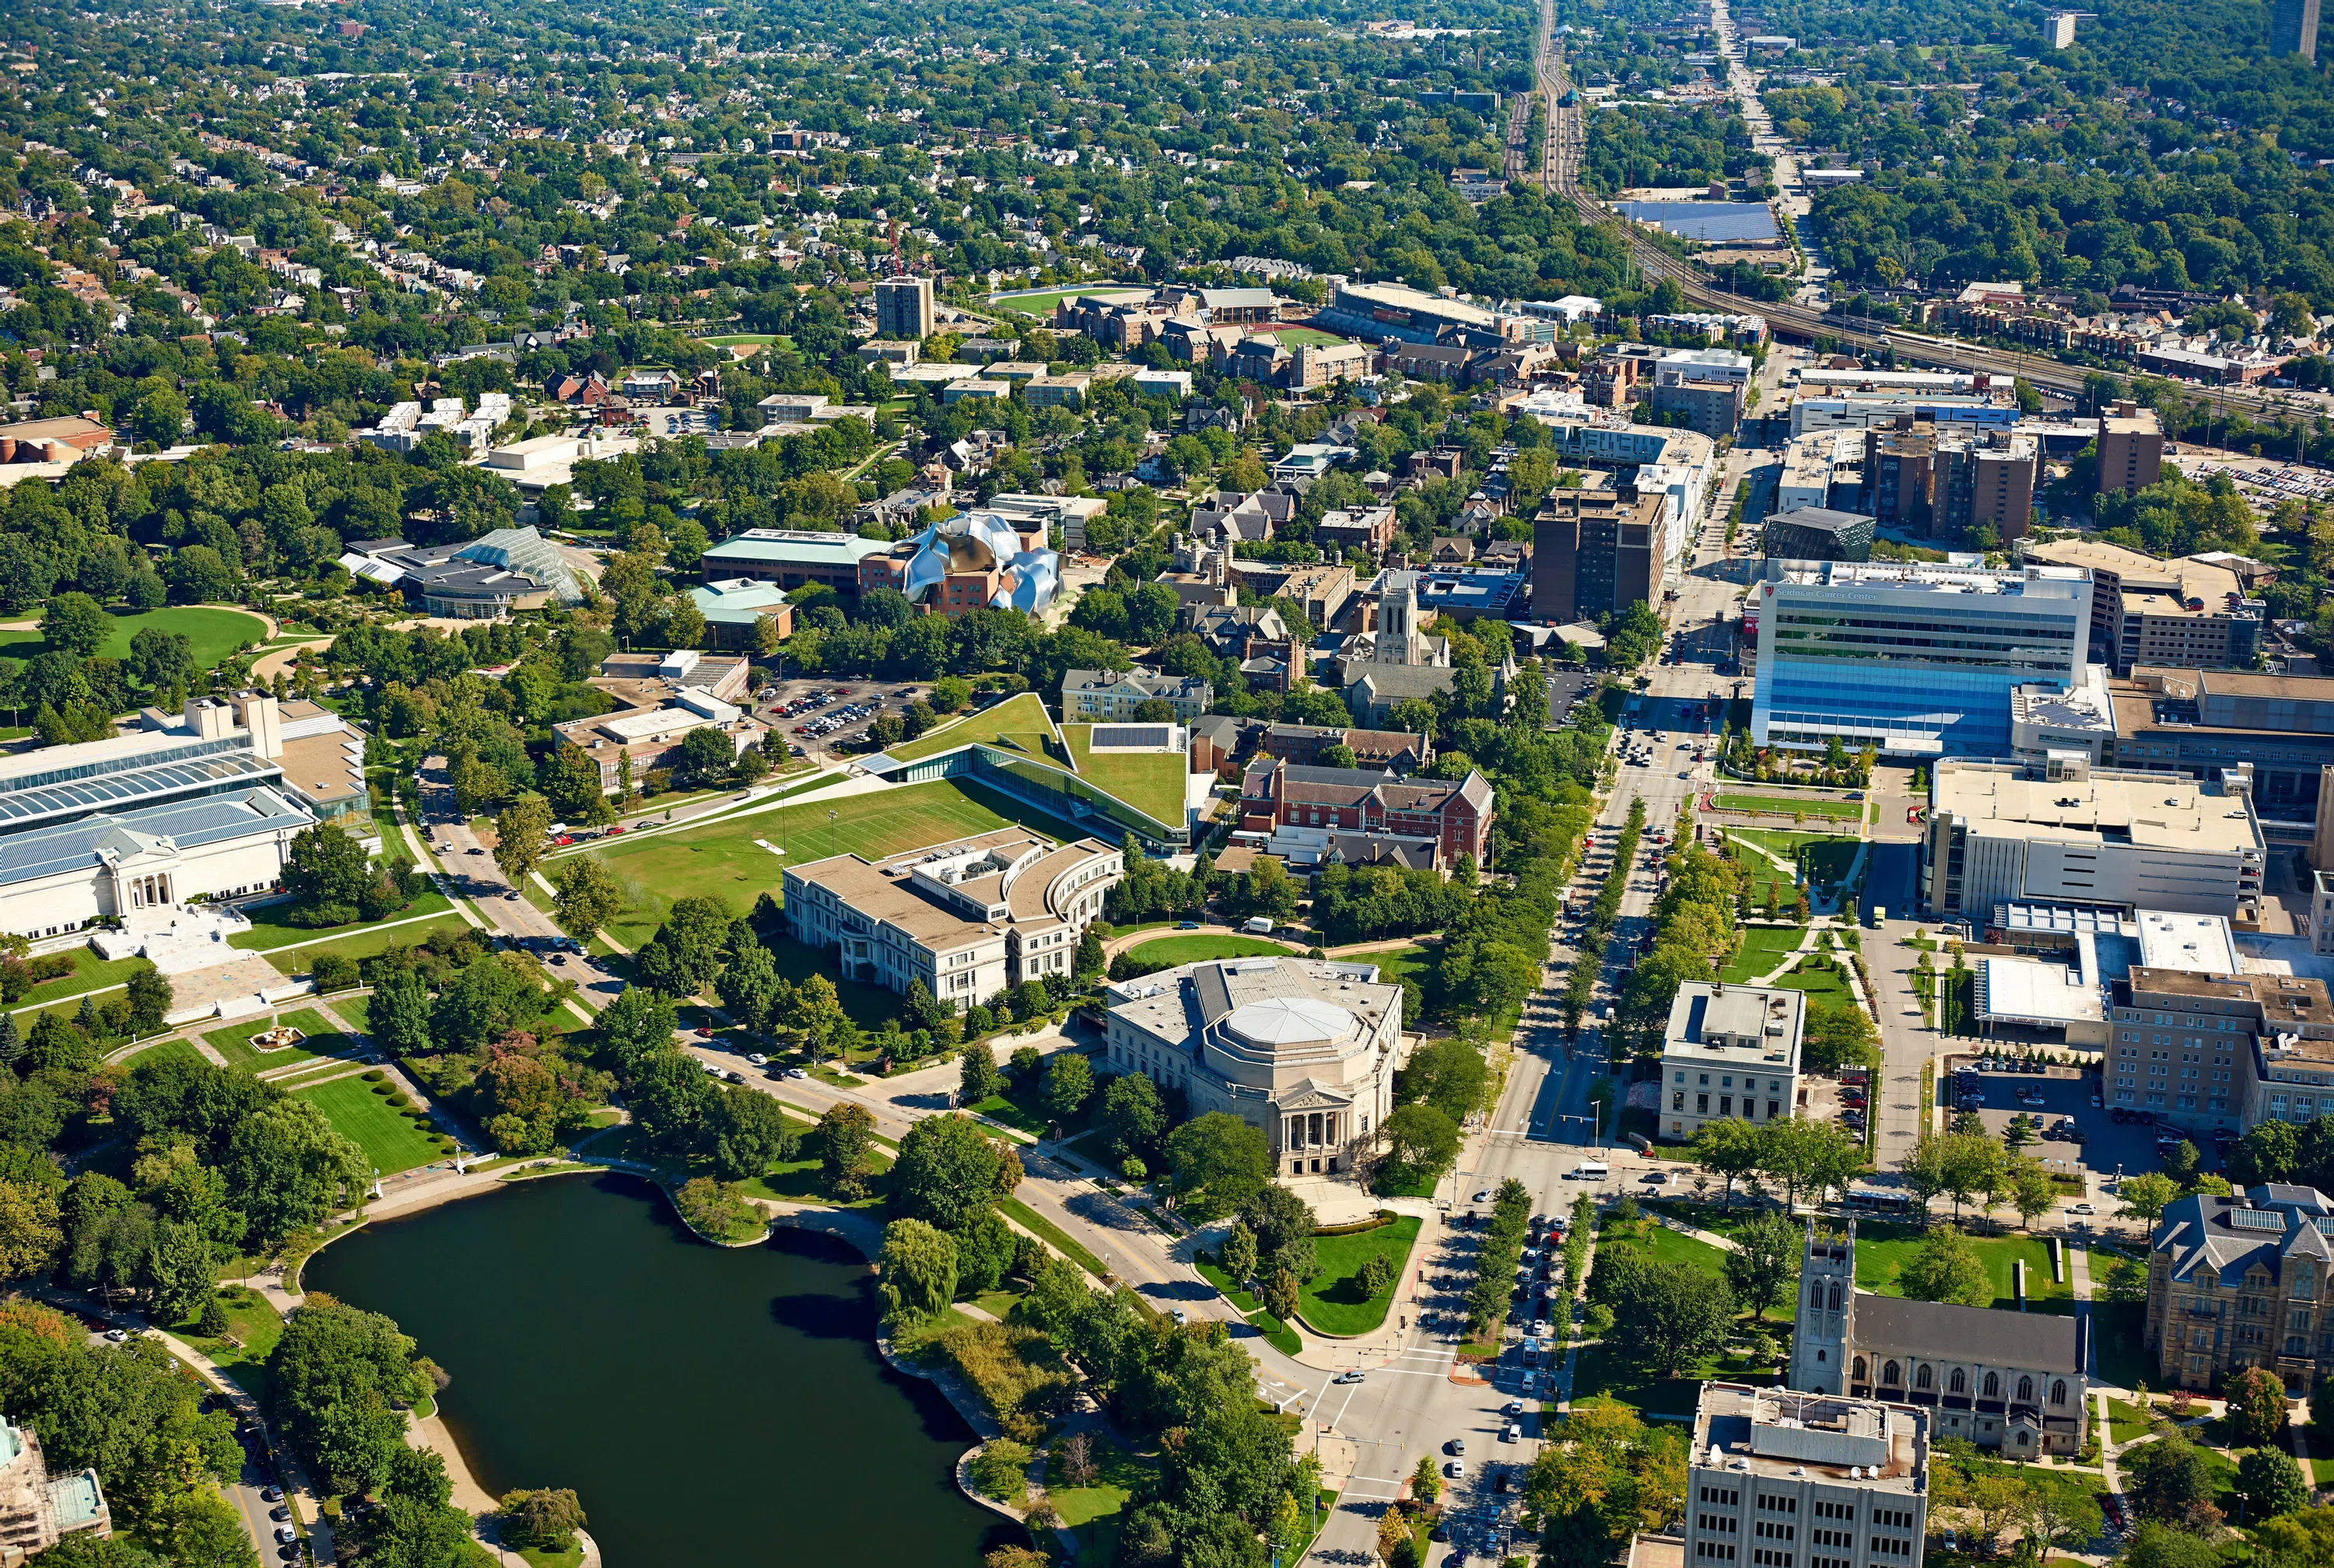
(90, 972)
(1194, 946)
(2127, 1422)
(536, 1557)
(1604, 1371)
(1277, 1335)
(733, 339)
(391, 1140)
(1838, 811)
(1334, 1300)
(215, 633)
(271, 927)
(1017, 724)
(1960, 999)
(376, 940)
(356, 1010)
(1826, 987)
(253, 1328)
(1763, 948)
(1150, 781)
(1095, 1509)
(1882, 1250)
(1663, 1245)
(166, 1049)
(1396, 965)
(797, 1182)
(721, 860)
(234, 1042)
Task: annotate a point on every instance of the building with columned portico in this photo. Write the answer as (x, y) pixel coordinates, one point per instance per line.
(1304, 1049)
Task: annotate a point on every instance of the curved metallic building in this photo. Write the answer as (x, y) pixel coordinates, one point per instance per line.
(982, 543)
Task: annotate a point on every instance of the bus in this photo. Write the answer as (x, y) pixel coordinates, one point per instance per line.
(1878, 1200)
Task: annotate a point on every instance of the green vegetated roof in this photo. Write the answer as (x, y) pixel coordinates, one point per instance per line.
(1150, 781)
(1017, 724)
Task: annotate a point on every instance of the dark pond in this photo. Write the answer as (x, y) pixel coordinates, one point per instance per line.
(707, 1404)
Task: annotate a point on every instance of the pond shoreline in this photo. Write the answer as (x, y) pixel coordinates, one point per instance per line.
(861, 1233)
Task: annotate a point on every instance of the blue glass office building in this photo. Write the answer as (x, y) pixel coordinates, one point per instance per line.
(1915, 660)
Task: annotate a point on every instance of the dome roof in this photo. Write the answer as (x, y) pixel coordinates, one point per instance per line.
(1281, 1021)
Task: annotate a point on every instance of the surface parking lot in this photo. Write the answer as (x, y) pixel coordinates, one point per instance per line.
(854, 703)
(2107, 1146)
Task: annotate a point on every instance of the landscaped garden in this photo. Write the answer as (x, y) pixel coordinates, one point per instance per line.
(234, 1044)
(380, 1118)
(272, 928)
(1335, 1301)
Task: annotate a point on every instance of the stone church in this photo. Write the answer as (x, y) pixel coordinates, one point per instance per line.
(2011, 1380)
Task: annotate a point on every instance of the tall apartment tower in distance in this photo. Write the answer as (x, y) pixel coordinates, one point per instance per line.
(903, 307)
(2131, 443)
(2293, 28)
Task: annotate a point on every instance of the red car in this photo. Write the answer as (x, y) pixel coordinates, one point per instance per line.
(618, 828)
(843, 691)
(565, 838)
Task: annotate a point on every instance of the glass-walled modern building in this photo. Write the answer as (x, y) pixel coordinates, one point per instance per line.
(1914, 659)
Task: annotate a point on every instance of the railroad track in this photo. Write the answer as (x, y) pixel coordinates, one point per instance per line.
(1562, 151)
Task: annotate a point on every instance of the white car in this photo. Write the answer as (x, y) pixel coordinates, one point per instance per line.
(1482, 1197)
(1456, 1469)
(1514, 1433)
(2080, 1209)
(757, 1059)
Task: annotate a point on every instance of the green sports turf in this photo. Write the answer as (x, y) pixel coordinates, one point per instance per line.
(215, 633)
(389, 1139)
(1847, 811)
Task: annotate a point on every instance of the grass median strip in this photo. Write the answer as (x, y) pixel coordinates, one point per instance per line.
(1045, 1229)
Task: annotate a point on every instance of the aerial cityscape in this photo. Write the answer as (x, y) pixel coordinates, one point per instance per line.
(1541, 782)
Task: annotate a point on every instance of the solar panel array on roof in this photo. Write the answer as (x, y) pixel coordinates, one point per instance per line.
(2256, 1219)
(1132, 735)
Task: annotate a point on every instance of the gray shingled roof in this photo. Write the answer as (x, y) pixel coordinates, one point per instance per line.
(2230, 1236)
(1940, 1332)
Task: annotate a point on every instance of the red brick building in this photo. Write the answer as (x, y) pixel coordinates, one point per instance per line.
(1456, 813)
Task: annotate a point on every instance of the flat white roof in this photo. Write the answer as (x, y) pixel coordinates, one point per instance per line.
(2031, 991)
(2202, 944)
